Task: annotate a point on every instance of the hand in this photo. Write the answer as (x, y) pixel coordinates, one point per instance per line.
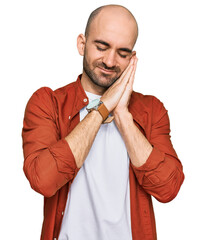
(113, 94)
(124, 100)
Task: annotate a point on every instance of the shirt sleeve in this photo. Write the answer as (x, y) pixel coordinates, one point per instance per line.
(162, 174)
(48, 160)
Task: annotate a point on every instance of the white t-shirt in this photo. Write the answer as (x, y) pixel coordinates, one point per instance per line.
(98, 204)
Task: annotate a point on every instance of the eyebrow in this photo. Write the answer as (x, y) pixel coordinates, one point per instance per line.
(102, 42)
(107, 45)
(126, 50)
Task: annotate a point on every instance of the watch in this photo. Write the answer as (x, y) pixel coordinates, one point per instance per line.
(99, 106)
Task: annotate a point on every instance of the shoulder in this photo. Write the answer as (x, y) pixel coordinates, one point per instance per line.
(145, 101)
(41, 103)
(47, 100)
(42, 96)
(45, 94)
(147, 104)
(68, 89)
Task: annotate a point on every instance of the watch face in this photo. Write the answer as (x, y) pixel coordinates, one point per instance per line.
(93, 104)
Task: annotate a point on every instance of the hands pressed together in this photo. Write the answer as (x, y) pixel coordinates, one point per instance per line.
(117, 97)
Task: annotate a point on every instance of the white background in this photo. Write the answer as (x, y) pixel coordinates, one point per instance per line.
(38, 48)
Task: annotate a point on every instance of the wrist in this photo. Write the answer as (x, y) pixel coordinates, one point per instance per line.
(122, 117)
(96, 116)
(106, 104)
(121, 112)
(98, 106)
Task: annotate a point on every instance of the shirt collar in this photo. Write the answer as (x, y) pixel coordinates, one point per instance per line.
(81, 100)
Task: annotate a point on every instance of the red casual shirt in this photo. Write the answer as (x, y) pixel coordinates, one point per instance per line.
(50, 166)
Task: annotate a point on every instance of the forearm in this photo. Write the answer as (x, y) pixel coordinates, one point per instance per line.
(136, 143)
(159, 170)
(49, 161)
(82, 137)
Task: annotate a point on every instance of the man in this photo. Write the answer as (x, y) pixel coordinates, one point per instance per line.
(96, 149)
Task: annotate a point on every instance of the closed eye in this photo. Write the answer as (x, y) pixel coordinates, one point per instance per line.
(100, 49)
(124, 52)
(122, 56)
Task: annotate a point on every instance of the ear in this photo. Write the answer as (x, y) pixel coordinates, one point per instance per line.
(81, 41)
(133, 54)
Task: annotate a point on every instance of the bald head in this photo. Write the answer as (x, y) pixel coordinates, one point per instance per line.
(114, 14)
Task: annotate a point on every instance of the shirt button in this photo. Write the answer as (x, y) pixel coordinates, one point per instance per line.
(69, 117)
(85, 100)
(62, 213)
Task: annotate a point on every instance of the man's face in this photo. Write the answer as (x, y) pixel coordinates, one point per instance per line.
(107, 52)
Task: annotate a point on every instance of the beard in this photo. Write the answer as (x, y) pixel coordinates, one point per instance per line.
(102, 80)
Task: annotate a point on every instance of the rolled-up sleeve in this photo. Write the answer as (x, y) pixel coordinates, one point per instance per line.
(162, 174)
(48, 160)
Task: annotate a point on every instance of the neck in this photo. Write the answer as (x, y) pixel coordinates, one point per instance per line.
(89, 86)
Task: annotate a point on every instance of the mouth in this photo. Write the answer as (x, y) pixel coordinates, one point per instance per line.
(106, 71)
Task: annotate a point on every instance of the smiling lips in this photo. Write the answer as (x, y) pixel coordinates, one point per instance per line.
(107, 71)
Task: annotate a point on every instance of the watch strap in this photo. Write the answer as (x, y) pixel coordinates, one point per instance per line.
(103, 111)
(108, 120)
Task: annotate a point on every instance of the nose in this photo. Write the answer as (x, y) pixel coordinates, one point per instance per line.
(109, 59)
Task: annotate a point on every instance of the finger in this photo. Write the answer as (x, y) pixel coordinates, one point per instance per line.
(124, 78)
(132, 76)
(135, 65)
(128, 69)
(127, 74)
